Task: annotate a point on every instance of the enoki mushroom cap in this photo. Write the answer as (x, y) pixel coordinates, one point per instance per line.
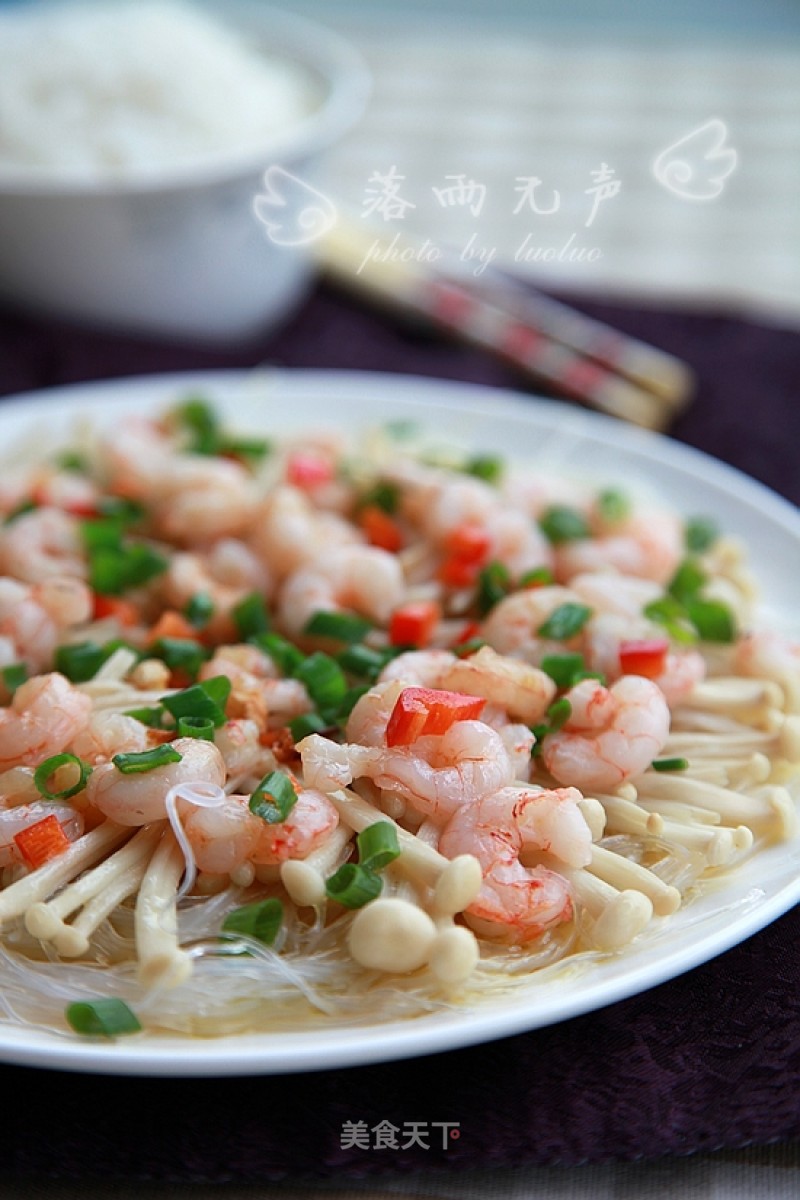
(391, 935)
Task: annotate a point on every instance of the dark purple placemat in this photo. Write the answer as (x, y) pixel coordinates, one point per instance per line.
(708, 1060)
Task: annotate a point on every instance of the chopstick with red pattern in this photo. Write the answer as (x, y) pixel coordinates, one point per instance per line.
(570, 355)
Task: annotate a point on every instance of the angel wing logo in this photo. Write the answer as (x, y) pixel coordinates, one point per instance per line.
(697, 165)
(293, 212)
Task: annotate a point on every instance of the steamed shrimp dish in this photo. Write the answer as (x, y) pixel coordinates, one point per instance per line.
(313, 732)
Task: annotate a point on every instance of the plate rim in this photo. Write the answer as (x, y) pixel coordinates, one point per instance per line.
(239, 1055)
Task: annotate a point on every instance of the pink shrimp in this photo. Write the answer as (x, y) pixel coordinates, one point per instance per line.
(611, 735)
(772, 656)
(517, 903)
(436, 775)
(512, 627)
(364, 579)
(226, 836)
(649, 545)
(40, 544)
(140, 798)
(45, 714)
(604, 635)
(34, 616)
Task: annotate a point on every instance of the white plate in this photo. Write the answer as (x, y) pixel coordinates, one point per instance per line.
(558, 438)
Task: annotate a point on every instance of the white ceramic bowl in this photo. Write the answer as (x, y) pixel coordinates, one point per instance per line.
(181, 254)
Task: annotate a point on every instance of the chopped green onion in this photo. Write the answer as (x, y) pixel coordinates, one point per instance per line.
(102, 533)
(353, 885)
(700, 534)
(378, 845)
(148, 716)
(341, 626)
(180, 654)
(101, 1018)
(565, 621)
(687, 581)
(670, 764)
(536, 577)
(286, 657)
(205, 701)
(558, 713)
(249, 449)
(324, 680)
(126, 511)
(613, 505)
(712, 619)
(485, 466)
(14, 675)
(250, 616)
(80, 661)
(114, 569)
(494, 583)
(199, 609)
(274, 798)
(25, 506)
(471, 646)
(559, 523)
(261, 920)
(196, 727)
(305, 724)
(199, 420)
(72, 460)
(146, 760)
(363, 662)
(45, 771)
(563, 668)
(382, 495)
(539, 732)
(666, 611)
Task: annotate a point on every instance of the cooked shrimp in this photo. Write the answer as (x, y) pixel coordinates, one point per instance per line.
(436, 775)
(520, 690)
(604, 634)
(40, 544)
(193, 498)
(364, 579)
(518, 903)
(33, 616)
(611, 735)
(611, 592)
(238, 743)
(139, 799)
(222, 837)
(226, 573)
(771, 656)
(256, 696)
(648, 545)
(370, 714)
(309, 824)
(107, 734)
(44, 716)
(513, 624)
(288, 531)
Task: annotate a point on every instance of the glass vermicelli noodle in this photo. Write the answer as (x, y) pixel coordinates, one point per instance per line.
(312, 732)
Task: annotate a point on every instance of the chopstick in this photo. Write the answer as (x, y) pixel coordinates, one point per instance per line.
(557, 347)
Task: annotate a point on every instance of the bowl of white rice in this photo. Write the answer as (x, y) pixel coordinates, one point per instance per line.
(135, 138)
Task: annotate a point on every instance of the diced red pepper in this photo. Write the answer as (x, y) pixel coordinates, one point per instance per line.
(419, 711)
(381, 529)
(306, 469)
(470, 542)
(468, 547)
(172, 624)
(471, 630)
(414, 624)
(646, 656)
(456, 573)
(115, 606)
(40, 842)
